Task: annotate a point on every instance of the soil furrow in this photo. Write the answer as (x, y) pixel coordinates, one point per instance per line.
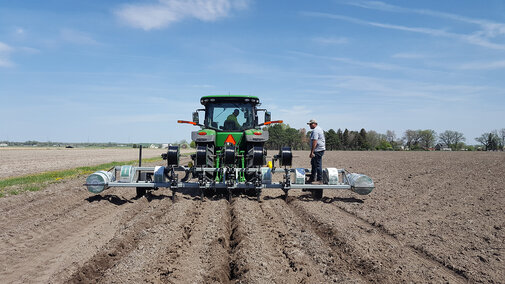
(126, 239)
(377, 256)
(146, 261)
(419, 250)
(25, 207)
(34, 249)
(433, 218)
(201, 252)
(306, 249)
(259, 252)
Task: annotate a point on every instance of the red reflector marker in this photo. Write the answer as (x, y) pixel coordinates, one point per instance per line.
(202, 133)
(230, 139)
(257, 133)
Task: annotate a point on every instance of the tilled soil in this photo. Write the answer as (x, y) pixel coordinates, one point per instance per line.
(415, 227)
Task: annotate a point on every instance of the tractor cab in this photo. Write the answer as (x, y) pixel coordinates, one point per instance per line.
(230, 116)
(230, 135)
(230, 113)
(230, 119)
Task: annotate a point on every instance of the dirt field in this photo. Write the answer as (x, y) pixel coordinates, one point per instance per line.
(433, 218)
(22, 161)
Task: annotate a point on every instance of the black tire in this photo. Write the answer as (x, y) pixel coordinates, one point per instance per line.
(141, 191)
(210, 158)
(317, 194)
(230, 196)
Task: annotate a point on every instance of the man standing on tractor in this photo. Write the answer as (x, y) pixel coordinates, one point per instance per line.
(318, 146)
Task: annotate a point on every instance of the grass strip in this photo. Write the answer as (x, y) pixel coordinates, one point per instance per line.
(39, 181)
(35, 182)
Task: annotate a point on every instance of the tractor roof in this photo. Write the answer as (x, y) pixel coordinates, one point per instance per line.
(229, 98)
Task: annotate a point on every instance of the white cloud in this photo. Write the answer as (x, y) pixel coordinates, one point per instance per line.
(331, 40)
(484, 65)
(398, 89)
(474, 38)
(29, 50)
(4, 62)
(488, 29)
(374, 65)
(137, 118)
(296, 115)
(77, 37)
(165, 12)
(203, 86)
(239, 66)
(5, 50)
(409, 55)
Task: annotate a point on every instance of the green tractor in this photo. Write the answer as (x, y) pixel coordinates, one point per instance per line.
(231, 138)
(230, 159)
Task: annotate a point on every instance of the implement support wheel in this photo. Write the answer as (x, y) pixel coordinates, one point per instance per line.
(317, 194)
(173, 195)
(141, 191)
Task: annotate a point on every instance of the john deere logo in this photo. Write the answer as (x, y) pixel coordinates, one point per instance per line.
(230, 139)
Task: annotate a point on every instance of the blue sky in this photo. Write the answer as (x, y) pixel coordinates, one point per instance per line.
(125, 71)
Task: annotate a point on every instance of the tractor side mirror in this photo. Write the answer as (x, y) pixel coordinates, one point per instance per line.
(268, 116)
(196, 119)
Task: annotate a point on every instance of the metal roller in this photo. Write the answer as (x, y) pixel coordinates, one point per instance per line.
(256, 156)
(201, 156)
(229, 155)
(173, 156)
(361, 184)
(286, 156)
(99, 181)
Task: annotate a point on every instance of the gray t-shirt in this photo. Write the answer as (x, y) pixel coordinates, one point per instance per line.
(318, 134)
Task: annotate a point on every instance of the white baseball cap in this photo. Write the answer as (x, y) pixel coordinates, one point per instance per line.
(312, 121)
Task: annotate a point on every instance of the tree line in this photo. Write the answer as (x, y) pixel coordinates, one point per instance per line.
(420, 139)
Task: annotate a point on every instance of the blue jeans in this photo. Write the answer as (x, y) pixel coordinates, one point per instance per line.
(317, 166)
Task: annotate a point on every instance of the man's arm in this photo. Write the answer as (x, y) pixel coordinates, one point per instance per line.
(314, 145)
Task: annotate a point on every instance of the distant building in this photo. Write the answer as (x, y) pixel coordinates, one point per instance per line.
(3, 145)
(153, 146)
(164, 146)
(442, 147)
